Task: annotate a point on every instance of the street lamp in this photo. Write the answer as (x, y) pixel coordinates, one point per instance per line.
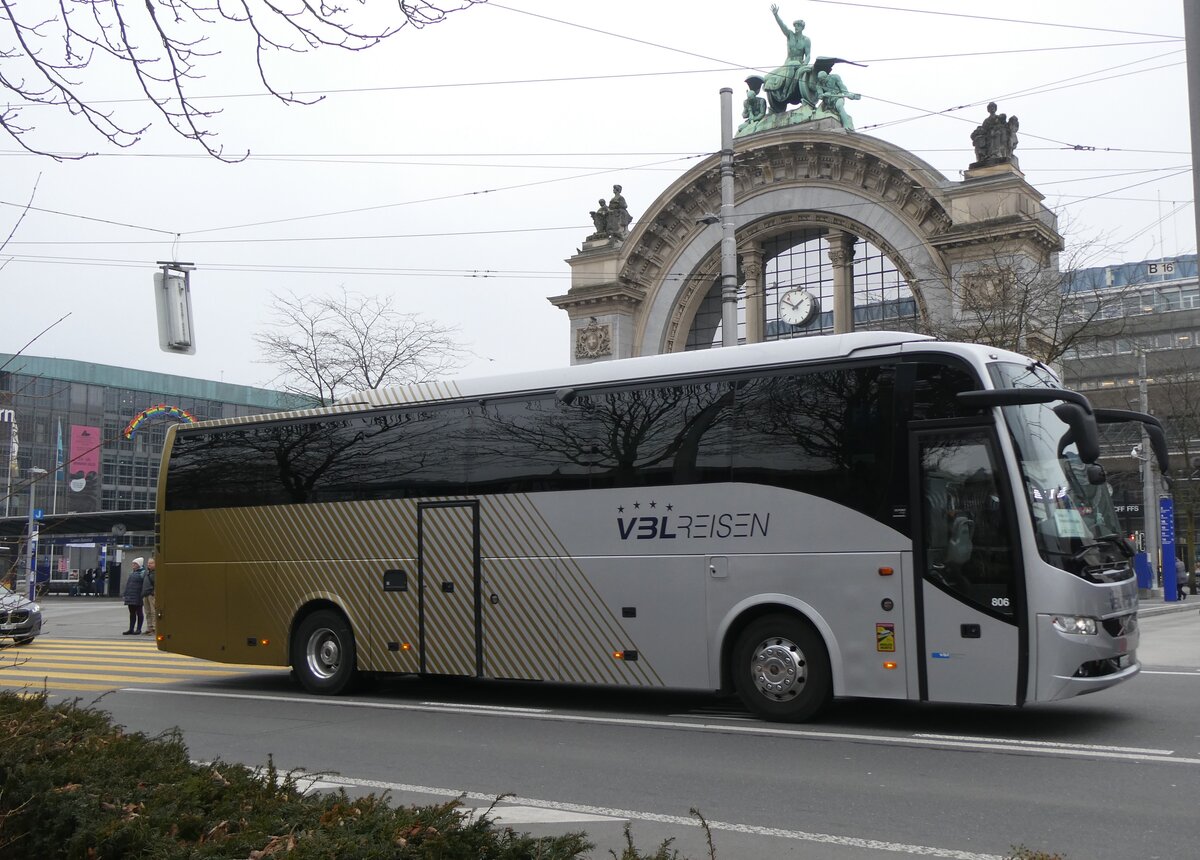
(34, 474)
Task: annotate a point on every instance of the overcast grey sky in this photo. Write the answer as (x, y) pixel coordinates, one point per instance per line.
(543, 105)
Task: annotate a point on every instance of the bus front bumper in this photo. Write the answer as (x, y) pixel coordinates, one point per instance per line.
(1070, 664)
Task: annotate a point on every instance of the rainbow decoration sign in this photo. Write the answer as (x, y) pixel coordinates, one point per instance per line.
(162, 410)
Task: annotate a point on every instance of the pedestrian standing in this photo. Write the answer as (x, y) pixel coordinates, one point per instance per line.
(148, 596)
(89, 576)
(1180, 578)
(132, 597)
(101, 576)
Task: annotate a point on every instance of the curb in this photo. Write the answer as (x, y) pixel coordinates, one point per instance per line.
(1166, 609)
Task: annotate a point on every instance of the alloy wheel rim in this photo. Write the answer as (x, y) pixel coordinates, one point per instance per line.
(778, 668)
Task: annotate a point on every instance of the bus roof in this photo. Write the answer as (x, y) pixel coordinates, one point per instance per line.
(745, 357)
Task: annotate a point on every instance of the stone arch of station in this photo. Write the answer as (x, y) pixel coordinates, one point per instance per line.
(639, 295)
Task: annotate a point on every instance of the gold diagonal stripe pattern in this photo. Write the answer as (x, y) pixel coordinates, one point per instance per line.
(522, 639)
(587, 625)
(550, 621)
(90, 665)
(536, 576)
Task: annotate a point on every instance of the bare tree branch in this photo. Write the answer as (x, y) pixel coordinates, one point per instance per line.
(1008, 302)
(327, 347)
(53, 49)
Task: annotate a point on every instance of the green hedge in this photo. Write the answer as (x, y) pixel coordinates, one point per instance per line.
(73, 785)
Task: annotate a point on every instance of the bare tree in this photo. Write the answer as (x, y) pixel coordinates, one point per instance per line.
(328, 346)
(55, 48)
(1008, 302)
(1178, 395)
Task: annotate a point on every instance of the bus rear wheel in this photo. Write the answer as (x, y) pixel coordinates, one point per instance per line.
(323, 653)
(781, 669)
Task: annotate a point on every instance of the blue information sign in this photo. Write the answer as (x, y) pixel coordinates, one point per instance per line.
(39, 514)
(1166, 529)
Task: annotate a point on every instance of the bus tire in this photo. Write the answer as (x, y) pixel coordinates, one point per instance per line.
(324, 658)
(781, 669)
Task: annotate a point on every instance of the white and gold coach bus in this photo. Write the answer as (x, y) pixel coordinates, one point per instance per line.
(873, 514)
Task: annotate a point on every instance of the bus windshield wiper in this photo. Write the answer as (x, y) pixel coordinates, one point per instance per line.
(1099, 540)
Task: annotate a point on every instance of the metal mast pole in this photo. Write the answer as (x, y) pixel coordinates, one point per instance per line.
(1191, 33)
(1149, 488)
(729, 335)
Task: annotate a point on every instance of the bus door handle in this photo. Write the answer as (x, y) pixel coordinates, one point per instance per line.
(970, 631)
(494, 599)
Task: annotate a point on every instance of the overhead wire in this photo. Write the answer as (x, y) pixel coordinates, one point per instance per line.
(653, 165)
(996, 19)
(1108, 173)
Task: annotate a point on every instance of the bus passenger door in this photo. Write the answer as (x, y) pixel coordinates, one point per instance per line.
(448, 578)
(968, 592)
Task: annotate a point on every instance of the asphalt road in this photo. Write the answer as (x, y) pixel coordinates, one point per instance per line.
(1114, 775)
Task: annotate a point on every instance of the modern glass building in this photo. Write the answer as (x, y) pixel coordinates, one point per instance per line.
(70, 418)
(82, 438)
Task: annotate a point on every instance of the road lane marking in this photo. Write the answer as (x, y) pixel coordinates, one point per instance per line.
(524, 815)
(1055, 744)
(500, 709)
(1195, 673)
(605, 812)
(720, 728)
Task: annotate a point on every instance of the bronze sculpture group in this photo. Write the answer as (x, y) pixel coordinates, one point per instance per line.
(814, 87)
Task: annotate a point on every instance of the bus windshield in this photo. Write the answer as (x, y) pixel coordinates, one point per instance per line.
(1074, 520)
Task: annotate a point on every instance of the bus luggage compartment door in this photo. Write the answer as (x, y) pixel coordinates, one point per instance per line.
(448, 578)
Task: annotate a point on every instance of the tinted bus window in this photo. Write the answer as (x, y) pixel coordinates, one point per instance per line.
(829, 433)
(417, 452)
(529, 445)
(677, 434)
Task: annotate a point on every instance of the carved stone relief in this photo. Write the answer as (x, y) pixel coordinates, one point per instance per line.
(593, 340)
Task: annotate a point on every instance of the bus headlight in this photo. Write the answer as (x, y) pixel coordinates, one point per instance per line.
(1079, 625)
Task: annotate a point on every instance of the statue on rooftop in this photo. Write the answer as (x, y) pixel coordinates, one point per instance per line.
(833, 94)
(791, 83)
(600, 221)
(611, 219)
(618, 215)
(798, 83)
(754, 107)
(995, 138)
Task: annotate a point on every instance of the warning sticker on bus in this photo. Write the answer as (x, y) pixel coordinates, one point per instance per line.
(885, 637)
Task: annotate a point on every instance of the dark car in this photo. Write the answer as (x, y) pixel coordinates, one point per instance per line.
(20, 617)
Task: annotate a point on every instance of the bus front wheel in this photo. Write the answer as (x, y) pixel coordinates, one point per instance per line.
(323, 653)
(781, 669)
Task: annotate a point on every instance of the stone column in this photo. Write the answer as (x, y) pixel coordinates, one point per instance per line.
(756, 299)
(841, 257)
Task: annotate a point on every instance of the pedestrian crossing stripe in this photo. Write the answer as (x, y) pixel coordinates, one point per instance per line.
(95, 665)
